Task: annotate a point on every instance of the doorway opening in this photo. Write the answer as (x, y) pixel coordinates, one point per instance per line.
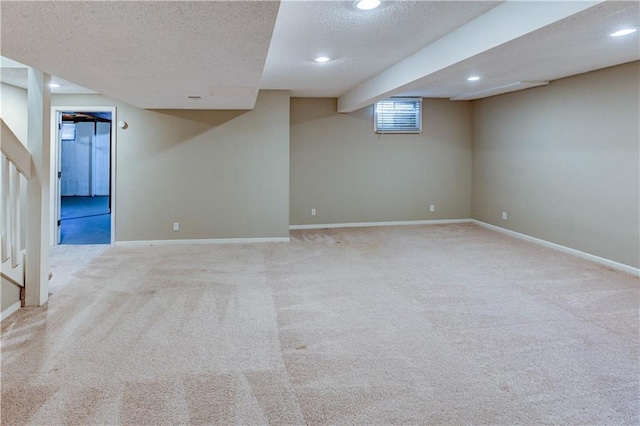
(84, 181)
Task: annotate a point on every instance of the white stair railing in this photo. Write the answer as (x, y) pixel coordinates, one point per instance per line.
(15, 163)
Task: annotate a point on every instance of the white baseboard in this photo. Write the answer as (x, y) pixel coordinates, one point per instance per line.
(601, 260)
(11, 309)
(369, 224)
(204, 241)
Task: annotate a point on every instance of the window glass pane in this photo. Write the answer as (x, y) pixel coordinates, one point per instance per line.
(399, 115)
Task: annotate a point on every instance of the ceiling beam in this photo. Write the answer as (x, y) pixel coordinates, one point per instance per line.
(502, 24)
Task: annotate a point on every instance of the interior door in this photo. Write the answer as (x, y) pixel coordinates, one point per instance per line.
(58, 181)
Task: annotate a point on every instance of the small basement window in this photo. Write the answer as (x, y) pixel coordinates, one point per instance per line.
(398, 115)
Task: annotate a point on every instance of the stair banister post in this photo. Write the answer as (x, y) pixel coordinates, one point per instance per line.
(38, 143)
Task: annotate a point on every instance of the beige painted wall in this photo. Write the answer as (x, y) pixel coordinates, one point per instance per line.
(563, 162)
(14, 110)
(220, 174)
(349, 174)
(9, 294)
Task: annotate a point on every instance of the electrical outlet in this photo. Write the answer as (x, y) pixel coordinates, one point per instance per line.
(313, 212)
(504, 215)
(176, 226)
(432, 208)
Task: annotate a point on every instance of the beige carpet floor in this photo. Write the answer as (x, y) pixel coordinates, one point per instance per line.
(449, 324)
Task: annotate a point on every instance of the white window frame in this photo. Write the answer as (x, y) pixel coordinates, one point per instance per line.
(411, 122)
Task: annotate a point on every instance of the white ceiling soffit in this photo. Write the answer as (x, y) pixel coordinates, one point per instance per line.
(361, 44)
(578, 44)
(502, 24)
(151, 54)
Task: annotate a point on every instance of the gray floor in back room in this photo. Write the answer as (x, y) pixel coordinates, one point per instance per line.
(85, 220)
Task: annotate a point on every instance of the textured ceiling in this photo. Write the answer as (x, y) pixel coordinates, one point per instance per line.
(501, 27)
(361, 43)
(149, 54)
(156, 54)
(575, 45)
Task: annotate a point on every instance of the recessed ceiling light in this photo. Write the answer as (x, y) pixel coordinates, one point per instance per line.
(54, 85)
(322, 59)
(367, 4)
(474, 78)
(624, 32)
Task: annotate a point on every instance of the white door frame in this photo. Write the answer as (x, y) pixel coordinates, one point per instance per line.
(54, 189)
